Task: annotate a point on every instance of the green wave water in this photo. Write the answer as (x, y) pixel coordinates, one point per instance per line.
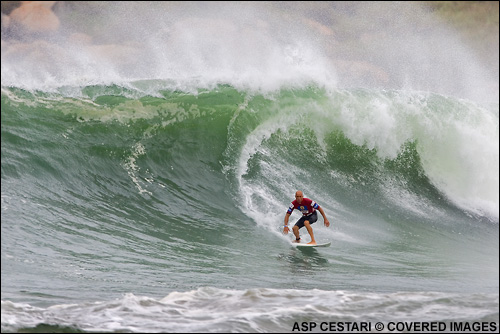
(107, 190)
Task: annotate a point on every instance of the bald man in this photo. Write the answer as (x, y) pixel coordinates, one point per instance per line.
(309, 210)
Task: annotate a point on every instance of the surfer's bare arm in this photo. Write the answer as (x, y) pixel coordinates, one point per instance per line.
(287, 217)
(327, 223)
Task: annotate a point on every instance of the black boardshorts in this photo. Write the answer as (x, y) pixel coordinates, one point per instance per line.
(313, 217)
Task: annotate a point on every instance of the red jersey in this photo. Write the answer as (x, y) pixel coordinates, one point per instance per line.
(307, 206)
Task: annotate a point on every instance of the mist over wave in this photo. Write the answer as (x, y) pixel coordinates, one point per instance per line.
(260, 46)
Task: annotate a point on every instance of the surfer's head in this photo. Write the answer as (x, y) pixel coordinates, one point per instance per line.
(299, 196)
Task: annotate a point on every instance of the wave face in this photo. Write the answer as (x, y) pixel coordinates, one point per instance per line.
(180, 190)
(144, 191)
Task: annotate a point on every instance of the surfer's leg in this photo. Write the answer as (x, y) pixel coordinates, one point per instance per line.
(310, 230)
(295, 230)
(298, 225)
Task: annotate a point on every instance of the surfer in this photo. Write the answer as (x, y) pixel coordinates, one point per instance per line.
(309, 210)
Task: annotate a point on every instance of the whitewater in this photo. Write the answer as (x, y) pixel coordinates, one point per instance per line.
(146, 171)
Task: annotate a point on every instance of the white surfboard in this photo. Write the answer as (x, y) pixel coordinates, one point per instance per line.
(318, 244)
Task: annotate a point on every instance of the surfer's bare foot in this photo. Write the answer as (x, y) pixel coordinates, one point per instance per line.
(296, 240)
(312, 243)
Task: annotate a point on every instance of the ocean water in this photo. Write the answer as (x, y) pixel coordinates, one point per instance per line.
(150, 198)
